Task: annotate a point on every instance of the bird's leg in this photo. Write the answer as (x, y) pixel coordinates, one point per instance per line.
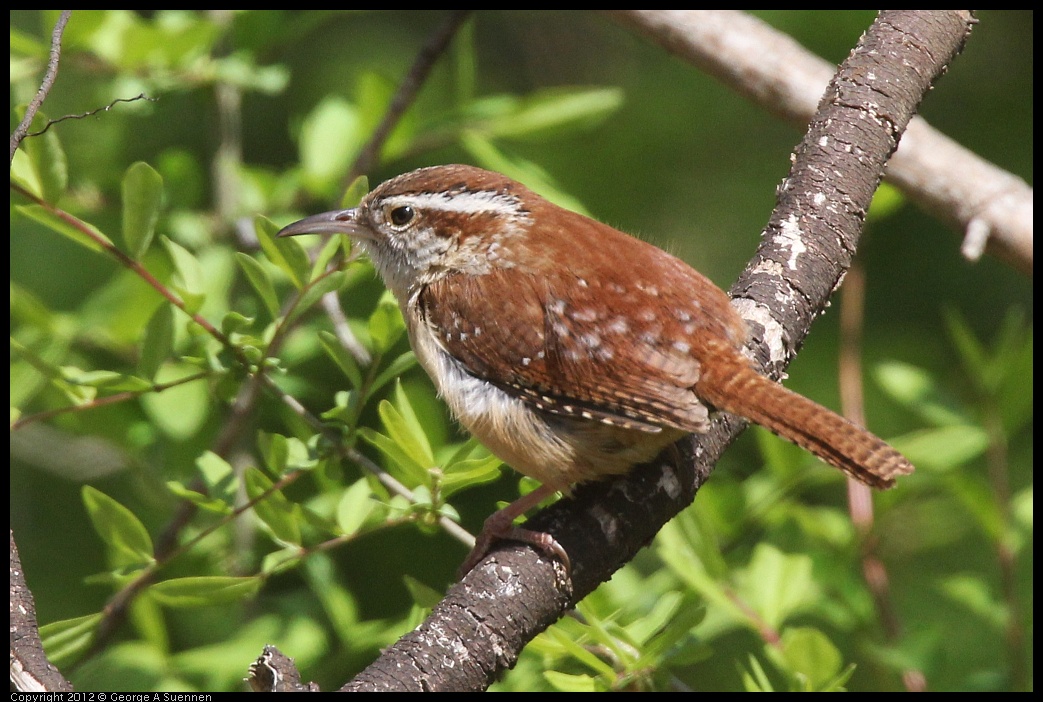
(500, 525)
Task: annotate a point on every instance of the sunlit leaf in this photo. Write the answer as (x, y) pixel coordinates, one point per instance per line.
(285, 252)
(126, 538)
(404, 467)
(260, 281)
(342, 357)
(331, 282)
(180, 411)
(157, 342)
(73, 230)
(66, 640)
(280, 514)
(47, 157)
(331, 135)
(385, 324)
(354, 507)
(394, 369)
(777, 584)
(142, 197)
(809, 652)
(204, 591)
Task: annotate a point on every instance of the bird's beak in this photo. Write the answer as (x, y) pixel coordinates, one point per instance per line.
(335, 222)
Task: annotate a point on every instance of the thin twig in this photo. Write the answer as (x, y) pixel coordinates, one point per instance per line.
(331, 304)
(107, 400)
(91, 113)
(136, 268)
(859, 496)
(405, 95)
(997, 461)
(45, 85)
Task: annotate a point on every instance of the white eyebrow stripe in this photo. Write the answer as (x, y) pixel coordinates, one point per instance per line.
(476, 202)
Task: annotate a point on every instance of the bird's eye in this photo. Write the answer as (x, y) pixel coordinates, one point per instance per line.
(402, 215)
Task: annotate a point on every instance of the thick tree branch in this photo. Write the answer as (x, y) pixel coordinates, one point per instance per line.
(30, 670)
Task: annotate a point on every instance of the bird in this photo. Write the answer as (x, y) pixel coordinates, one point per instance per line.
(571, 350)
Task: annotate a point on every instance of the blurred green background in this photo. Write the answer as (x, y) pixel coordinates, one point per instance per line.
(666, 153)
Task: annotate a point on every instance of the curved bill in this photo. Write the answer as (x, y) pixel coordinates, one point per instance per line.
(334, 222)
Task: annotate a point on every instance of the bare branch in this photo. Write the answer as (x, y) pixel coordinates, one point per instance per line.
(406, 93)
(987, 205)
(90, 113)
(45, 86)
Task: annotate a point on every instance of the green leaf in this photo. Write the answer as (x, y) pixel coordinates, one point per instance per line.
(465, 64)
(233, 323)
(394, 369)
(142, 197)
(1015, 404)
(180, 411)
(128, 542)
(386, 325)
(331, 282)
(970, 348)
(670, 622)
(943, 448)
(331, 136)
(488, 155)
(192, 286)
(355, 506)
(342, 357)
(916, 389)
(157, 342)
(105, 379)
(275, 449)
(260, 281)
(287, 255)
(66, 640)
(547, 110)
(210, 504)
(469, 473)
(424, 596)
(409, 470)
(326, 254)
(95, 241)
(808, 652)
(355, 192)
(277, 512)
(978, 597)
(1022, 506)
(886, 201)
(402, 425)
(323, 577)
(777, 585)
(221, 480)
(564, 682)
(49, 165)
(26, 308)
(755, 679)
(278, 561)
(580, 652)
(204, 591)
(980, 502)
(239, 69)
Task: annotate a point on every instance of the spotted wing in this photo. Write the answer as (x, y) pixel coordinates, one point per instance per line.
(573, 346)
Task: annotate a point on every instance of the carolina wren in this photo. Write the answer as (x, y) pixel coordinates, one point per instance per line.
(570, 349)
